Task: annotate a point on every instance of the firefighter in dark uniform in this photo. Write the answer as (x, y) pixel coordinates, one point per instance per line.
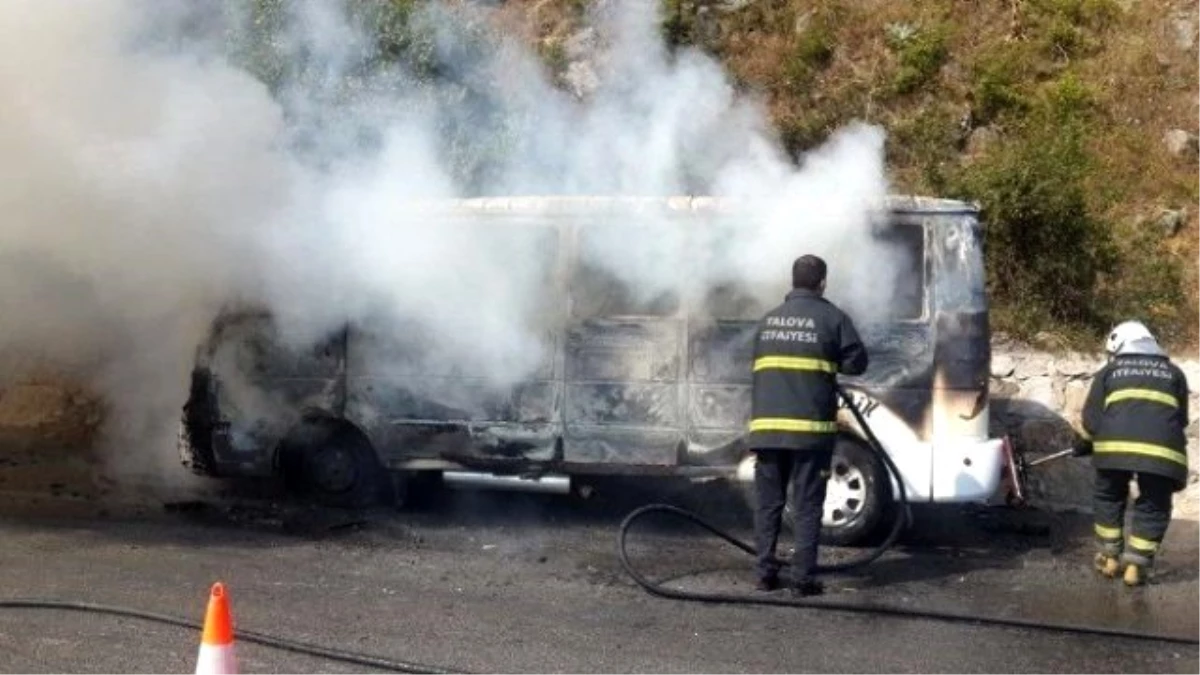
(1133, 425)
(799, 349)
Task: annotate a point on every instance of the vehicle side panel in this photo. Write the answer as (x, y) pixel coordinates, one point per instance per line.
(413, 405)
(623, 402)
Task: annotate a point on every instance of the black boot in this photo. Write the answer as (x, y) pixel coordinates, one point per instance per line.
(766, 584)
(808, 587)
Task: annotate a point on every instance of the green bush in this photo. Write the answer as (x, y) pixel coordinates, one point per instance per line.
(678, 23)
(1068, 29)
(1149, 286)
(253, 45)
(1047, 249)
(812, 52)
(997, 84)
(1054, 265)
(814, 47)
(391, 24)
(554, 56)
(920, 53)
(802, 133)
(929, 141)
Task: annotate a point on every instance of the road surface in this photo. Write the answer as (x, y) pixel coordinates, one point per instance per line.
(520, 583)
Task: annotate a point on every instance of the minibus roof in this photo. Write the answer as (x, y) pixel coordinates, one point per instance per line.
(590, 205)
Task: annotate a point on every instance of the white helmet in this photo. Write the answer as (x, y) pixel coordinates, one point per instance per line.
(1131, 337)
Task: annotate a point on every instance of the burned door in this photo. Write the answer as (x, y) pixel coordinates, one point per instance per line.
(624, 344)
(466, 371)
(721, 333)
(886, 291)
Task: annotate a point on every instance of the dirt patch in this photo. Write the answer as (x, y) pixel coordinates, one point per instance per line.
(49, 414)
(49, 428)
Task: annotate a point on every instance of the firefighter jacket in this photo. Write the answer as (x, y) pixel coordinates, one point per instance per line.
(799, 349)
(1135, 416)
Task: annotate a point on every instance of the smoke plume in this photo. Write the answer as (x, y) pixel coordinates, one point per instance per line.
(152, 171)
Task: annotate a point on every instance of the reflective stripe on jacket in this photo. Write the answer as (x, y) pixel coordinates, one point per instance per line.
(1135, 415)
(800, 347)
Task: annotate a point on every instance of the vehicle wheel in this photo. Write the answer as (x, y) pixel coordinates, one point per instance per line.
(858, 496)
(337, 468)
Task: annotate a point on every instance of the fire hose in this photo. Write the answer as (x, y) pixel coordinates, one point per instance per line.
(902, 519)
(264, 639)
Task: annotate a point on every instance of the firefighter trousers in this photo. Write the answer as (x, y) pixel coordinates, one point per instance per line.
(1151, 514)
(806, 471)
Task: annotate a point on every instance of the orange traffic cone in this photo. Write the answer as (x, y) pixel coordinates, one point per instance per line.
(216, 644)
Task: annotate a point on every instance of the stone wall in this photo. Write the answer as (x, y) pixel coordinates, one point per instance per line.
(1037, 399)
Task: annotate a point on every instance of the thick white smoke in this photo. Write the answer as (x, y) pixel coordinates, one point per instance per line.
(146, 179)
(128, 187)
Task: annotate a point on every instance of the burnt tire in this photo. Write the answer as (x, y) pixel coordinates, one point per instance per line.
(334, 467)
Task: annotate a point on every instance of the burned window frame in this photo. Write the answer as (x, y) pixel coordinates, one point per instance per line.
(701, 247)
(571, 275)
(925, 264)
(550, 305)
(698, 247)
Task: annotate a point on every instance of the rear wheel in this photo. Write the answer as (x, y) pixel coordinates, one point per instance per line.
(858, 496)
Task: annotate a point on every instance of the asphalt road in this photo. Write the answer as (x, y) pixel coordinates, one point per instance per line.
(520, 583)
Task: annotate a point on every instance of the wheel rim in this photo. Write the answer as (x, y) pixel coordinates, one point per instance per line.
(334, 469)
(845, 494)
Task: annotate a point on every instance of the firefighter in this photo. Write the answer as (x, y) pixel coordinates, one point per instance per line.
(799, 348)
(1133, 426)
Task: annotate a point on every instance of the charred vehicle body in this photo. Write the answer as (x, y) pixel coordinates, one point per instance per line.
(628, 384)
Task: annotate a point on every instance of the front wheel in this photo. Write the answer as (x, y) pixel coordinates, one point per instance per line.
(334, 468)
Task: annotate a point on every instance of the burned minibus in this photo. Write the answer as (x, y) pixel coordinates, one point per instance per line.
(628, 382)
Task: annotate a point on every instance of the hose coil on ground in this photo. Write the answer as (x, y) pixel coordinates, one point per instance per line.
(853, 607)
